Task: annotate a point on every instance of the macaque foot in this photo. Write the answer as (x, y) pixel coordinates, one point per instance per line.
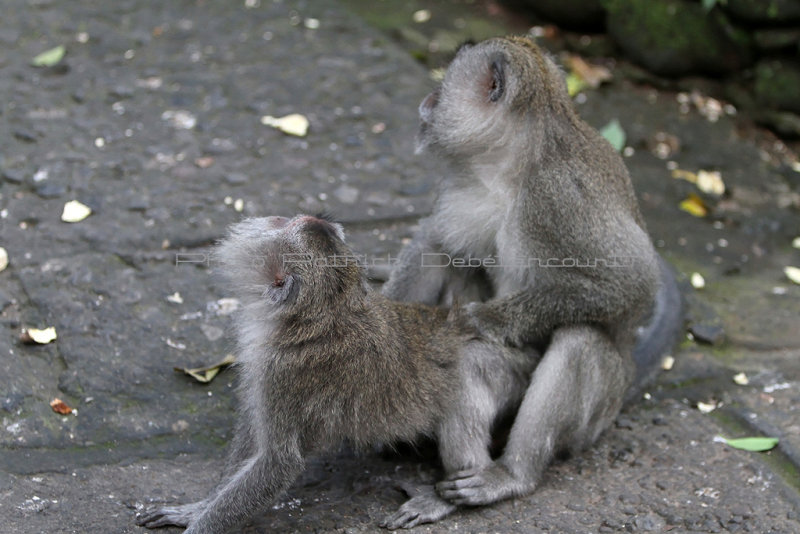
(475, 487)
(425, 507)
(179, 516)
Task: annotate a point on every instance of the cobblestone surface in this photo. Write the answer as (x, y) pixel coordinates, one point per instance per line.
(153, 120)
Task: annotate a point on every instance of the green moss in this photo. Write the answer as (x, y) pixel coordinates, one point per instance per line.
(776, 85)
(675, 37)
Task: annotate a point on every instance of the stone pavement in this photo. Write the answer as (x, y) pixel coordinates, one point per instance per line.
(152, 119)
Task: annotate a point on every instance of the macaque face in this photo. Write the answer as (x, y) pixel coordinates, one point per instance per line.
(271, 259)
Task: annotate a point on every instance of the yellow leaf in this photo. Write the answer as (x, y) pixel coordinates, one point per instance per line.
(680, 174)
(694, 205)
(294, 124)
(575, 84)
(590, 75)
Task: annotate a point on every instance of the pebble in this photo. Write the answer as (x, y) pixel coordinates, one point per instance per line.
(26, 136)
(138, 204)
(212, 332)
(121, 91)
(346, 194)
(13, 176)
(5, 300)
(236, 178)
(219, 146)
(707, 333)
(51, 190)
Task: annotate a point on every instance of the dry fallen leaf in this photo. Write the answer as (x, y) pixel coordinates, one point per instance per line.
(681, 174)
(741, 379)
(792, 273)
(74, 211)
(204, 162)
(706, 407)
(175, 298)
(294, 124)
(206, 374)
(3, 259)
(710, 182)
(694, 205)
(592, 75)
(667, 363)
(706, 181)
(423, 15)
(35, 335)
(60, 406)
(697, 281)
(437, 75)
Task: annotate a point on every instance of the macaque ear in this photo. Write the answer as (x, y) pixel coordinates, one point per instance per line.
(283, 289)
(497, 79)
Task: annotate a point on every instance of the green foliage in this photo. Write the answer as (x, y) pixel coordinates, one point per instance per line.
(50, 57)
(708, 5)
(615, 135)
(754, 444)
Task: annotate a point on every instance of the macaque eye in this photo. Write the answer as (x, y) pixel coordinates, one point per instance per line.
(498, 84)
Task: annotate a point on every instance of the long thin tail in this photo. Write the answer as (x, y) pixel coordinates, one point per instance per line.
(659, 334)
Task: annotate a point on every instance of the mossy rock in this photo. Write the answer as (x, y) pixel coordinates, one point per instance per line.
(675, 37)
(776, 39)
(758, 12)
(777, 84)
(572, 14)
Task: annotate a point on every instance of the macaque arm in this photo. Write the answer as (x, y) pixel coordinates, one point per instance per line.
(420, 273)
(533, 313)
(256, 484)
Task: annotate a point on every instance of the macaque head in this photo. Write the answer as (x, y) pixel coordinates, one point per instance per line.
(490, 92)
(282, 262)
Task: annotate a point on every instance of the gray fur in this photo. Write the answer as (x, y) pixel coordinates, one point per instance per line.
(323, 360)
(541, 193)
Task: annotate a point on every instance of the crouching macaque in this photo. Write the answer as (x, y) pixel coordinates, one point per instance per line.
(323, 360)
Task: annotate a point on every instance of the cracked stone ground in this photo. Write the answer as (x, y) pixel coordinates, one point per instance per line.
(152, 119)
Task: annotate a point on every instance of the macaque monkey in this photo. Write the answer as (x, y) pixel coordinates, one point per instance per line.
(322, 360)
(545, 202)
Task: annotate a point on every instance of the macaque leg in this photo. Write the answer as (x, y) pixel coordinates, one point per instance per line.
(575, 393)
(493, 379)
